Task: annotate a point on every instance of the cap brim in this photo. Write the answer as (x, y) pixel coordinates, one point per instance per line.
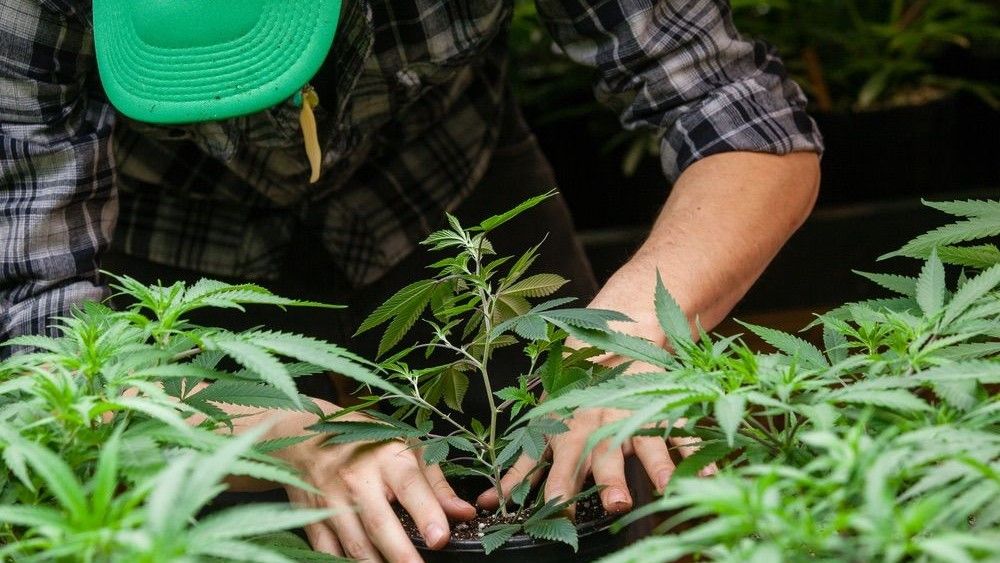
(259, 69)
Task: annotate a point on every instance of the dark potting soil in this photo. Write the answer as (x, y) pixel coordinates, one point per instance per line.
(589, 509)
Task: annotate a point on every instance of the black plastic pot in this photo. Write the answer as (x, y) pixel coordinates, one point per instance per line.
(596, 541)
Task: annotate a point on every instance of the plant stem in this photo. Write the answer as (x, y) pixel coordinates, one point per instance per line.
(487, 302)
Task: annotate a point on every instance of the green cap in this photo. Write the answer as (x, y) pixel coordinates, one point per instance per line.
(184, 61)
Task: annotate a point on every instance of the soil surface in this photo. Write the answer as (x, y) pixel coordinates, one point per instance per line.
(587, 510)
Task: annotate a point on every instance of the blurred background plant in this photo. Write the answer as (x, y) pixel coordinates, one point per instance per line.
(869, 54)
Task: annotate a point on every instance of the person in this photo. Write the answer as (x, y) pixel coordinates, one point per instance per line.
(309, 145)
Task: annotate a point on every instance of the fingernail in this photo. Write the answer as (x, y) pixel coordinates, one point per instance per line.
(663, 478)
(617, 499)
(435, 535)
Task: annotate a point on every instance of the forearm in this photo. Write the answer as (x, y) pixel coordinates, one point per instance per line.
(726, 218)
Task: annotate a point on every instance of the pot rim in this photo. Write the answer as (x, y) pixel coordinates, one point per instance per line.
(519, 541)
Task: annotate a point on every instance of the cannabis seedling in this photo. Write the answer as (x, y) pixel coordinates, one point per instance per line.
(477, 303)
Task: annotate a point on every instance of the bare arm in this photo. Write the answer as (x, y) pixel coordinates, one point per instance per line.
(727, 217)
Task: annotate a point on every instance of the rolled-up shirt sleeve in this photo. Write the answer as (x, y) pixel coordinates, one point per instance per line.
(57, 200)
(681, 67)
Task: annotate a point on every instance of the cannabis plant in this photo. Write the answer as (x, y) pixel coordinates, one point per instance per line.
(881, 445)
(864, 54)
(475, 303)
(114, 437)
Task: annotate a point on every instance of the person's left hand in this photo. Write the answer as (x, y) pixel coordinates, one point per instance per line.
(605, 463)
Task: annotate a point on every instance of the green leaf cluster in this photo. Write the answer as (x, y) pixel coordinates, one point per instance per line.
(881, 445)
(113, 436)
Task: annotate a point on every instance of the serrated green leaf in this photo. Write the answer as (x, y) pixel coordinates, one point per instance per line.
(790, 345)
(435, 451)
(156, 411)
(555, 529)
(930, 288)
(250, 394)
(628, 346)
(322, 354)
(966, 208)
(454, 385)
(519, 494)
(947, 235)
(980, 257)
(234, 550)
(497, 220)
(495, 539)
(729, 411)
(538, 285)
(262, 363)
(404, 317)
(515, 306)
(253, 519)
(33, 516)
(892, 399)
(708, 453)
(972, 291)
(391, 306)
(903, 285)
(344, 432)
(959, 394)
(531, 327)
(278, 444)
(835, 344)
(596, 319)
(57, 475)
(270, 472)
(672, 319)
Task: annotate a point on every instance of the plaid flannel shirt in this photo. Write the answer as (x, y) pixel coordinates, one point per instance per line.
(408, 121)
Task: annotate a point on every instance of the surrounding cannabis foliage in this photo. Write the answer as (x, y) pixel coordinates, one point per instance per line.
(884, 445)
(113, 439)
(863, 54)
(474, 304)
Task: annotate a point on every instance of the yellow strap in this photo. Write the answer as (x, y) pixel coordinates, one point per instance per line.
(309, 134)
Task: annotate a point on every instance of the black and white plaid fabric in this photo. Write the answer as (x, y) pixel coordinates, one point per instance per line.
(411, 99)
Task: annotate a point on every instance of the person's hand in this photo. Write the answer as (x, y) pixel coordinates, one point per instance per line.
(606, 464)
(360, 481)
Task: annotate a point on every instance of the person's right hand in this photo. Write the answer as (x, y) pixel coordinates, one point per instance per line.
(360, 481)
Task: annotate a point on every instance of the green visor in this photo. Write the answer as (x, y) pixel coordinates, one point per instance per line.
(184, 61)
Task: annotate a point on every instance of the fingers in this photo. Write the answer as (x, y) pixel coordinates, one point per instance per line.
(608, 467)
(655, 458)
(454, 507)
(564, 480)
(322, 539)
(524, 466)
(415, 494)
(383, 527)
(686, 445)
(351, 533)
